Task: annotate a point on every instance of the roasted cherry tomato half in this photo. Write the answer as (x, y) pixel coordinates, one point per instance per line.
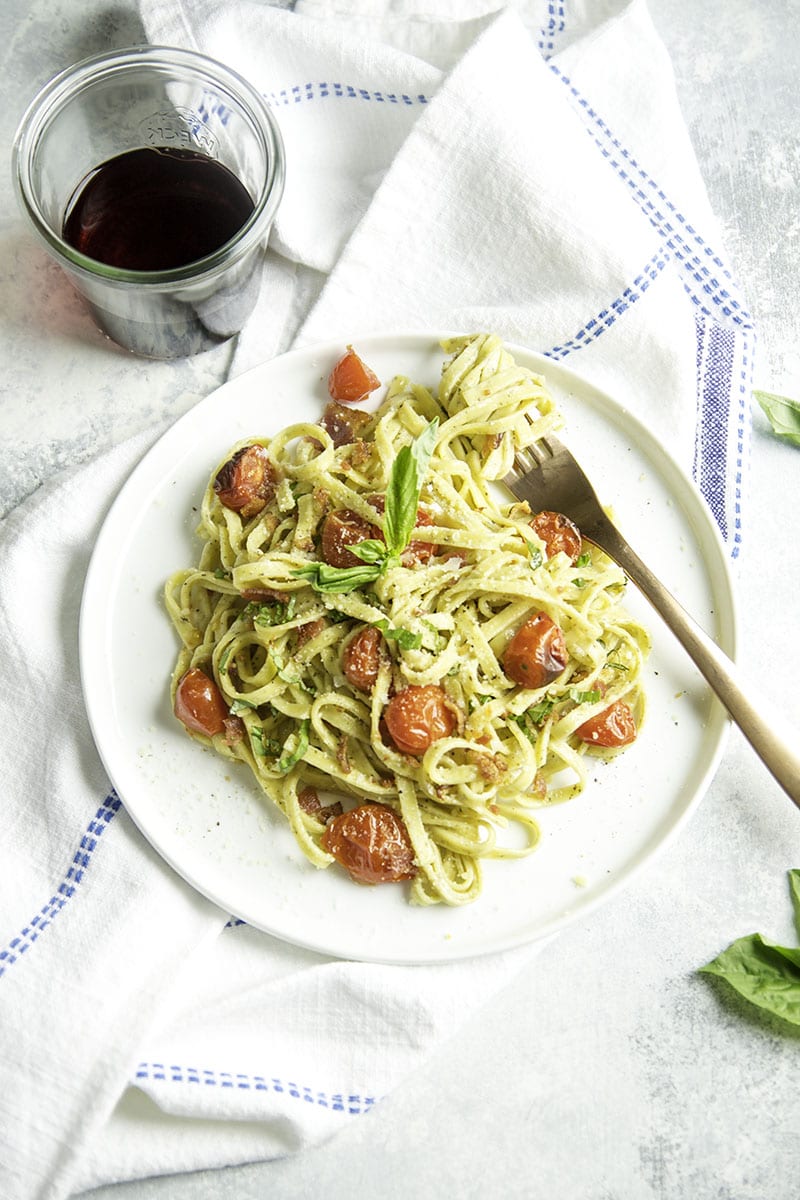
(199, 703)
(537, 652)
(361, 659)
(372, 843)
(351, 379)
(558, 534)
(614, 726)
(247, 481)
(417, 716)
(340, 530)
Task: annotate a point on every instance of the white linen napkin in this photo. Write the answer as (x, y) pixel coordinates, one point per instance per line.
(460, 169)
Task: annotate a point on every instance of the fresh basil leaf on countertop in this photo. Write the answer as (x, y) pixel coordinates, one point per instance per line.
(763, 973)
(783, 415)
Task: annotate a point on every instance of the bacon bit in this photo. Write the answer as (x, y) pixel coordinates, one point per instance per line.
(234, 729)
(310, 803)
(343, 424)
(362, 452)
(343, 756)
(539, 786)
(310, 630)
(263, 595)
(309, 800)
(490, 766)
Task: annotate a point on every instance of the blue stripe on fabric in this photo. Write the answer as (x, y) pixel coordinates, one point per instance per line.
(353, 1104)
(81, 861)
(724, 382)
(605, 318)
(745, 389)
(694, 259)
(715, 386)
(341, 91)
(556, 23)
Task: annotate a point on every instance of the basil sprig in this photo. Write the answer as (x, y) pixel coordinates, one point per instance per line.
(399, 518)
(764, 973)
(783, 415)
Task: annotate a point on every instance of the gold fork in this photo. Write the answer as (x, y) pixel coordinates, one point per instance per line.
(548, 476)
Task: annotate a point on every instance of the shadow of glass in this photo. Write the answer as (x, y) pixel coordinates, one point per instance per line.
(111, 28)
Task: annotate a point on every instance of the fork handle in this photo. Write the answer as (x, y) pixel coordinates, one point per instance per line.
(753, 716)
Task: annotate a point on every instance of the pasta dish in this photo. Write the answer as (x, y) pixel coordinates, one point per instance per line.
(410, 663)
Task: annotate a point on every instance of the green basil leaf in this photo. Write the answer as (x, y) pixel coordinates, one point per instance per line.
(370, 551)
(586, 697)
(405, 483)
(259, 743)
(327, 580)
(783, 415)
(765, 975)
(794, 889)
(405, 639)
(287, 761)
(530, 720)
(273, 612)
(536, 556)
(282, 670)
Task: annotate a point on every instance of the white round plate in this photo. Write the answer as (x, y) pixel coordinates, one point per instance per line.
(208, 818)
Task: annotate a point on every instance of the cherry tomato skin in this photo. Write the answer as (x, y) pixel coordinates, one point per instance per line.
(416, 551)
(246, 482)
(372, 843)
(558, 534)
(417, 716)
(351, 379)
(361, 659)
(199, 703)
(537, 652)
(341, 529)
(614, 726)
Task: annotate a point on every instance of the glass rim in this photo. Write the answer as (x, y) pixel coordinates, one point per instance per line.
(55, 94)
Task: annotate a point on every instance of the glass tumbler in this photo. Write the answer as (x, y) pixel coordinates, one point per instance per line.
(161, 98)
